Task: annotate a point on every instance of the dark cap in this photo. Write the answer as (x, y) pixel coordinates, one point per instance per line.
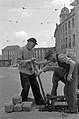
(48, 54)
(33, 40)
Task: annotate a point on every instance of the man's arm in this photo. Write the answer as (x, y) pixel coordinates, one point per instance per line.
(42, 62)
(47, 68)
(64, 58)
(23, 62)
(72, 65)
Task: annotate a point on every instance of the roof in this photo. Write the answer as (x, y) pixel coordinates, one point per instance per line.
(75, 2)
(11, 47)
(64, 10)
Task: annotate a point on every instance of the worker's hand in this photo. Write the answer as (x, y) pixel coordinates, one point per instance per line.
(33, 59)
(40, 71)
(47, 68)
(69, 77)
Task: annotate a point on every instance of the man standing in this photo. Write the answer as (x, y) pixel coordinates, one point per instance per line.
(27, 72)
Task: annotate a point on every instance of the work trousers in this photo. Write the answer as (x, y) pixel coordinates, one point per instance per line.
(26, 82)
(70, 86)
(78, 86)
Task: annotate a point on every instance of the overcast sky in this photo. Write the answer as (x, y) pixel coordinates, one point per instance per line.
(38, 19)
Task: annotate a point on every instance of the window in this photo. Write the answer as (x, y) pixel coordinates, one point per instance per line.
(69, 24)
(61, 30)
(41, 52)
(8, 52)
(66, 45)
(40, 56)
(66, 42)
(5, 52)
(65, 26)
(73, 39)
(66, 39)
(72, 22)
(69, 42)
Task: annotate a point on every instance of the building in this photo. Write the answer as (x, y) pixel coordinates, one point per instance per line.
(67, 32)
(9, 54)
(0, 57)
(40, 52)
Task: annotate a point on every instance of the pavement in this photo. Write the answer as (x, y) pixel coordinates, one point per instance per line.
(35, 114)
(10, 85)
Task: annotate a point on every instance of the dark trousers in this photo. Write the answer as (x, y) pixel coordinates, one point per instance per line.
(70, 87)
(58, 75)
(26, 82)
(78, 86)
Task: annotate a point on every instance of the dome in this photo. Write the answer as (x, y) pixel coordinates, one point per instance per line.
(64, 10)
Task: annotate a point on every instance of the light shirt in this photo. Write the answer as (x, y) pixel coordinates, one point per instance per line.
(64, 58)
(25, 54)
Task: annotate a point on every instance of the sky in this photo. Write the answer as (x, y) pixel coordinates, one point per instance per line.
(22, 19)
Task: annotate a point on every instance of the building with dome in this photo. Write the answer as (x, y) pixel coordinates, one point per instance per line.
(67, 31)
(64, 14)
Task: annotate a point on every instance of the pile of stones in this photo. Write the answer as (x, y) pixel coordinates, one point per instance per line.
(16, 105)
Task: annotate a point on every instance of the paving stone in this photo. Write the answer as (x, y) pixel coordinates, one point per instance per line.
(27, 106)
(16, 99)
(9, 107)
(18, 107)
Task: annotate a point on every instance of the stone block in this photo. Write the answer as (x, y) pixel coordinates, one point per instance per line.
(18, 107)
(9, 107)
(26, 106)
(16, 99)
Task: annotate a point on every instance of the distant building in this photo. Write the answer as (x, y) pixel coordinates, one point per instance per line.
(0, 57)
(67, 32)
(10, 53)
(40, 52)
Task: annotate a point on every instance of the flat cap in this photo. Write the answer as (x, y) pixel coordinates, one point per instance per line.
(48, 54)
(33, 40)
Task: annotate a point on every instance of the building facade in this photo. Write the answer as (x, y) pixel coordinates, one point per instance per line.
(0, 57)
(10, 53)
(67, 32)
(40, 52)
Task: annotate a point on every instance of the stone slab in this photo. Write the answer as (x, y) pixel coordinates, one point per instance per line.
(18, 107)
(16, 99)
(9, 107)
